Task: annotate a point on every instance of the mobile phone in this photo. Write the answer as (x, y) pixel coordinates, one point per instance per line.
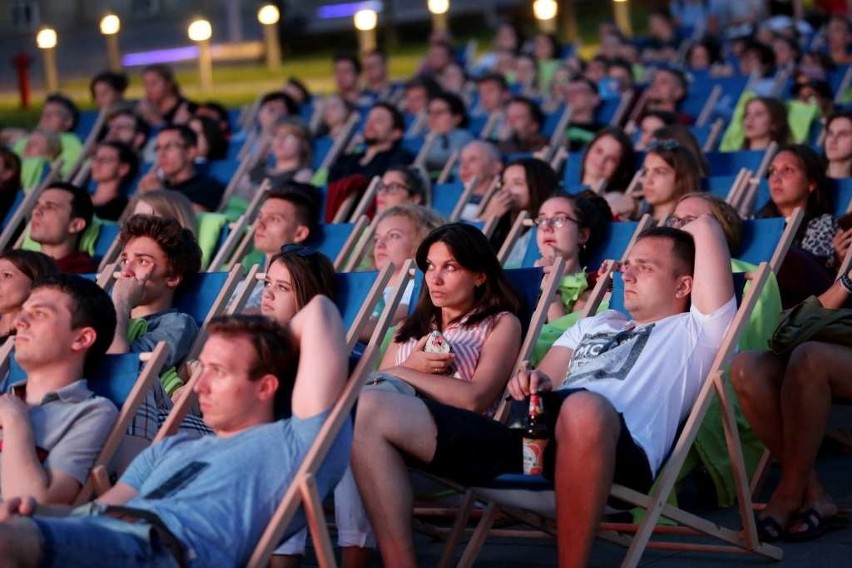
(845, 222)
(437, 343)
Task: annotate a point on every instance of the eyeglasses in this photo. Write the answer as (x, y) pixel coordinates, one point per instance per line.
(299, 250)
(664, 144)
(392, 187)
(676, 222)
(555, 222)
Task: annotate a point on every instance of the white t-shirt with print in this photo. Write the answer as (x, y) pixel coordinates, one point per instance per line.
(650, 373)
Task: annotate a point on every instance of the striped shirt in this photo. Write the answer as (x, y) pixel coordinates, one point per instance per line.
(466, 343)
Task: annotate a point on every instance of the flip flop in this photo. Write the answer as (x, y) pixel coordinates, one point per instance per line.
(816, 524)
(768, 529)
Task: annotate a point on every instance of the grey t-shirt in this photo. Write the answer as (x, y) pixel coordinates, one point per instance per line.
(176, 328)
(217, 494)
(71, 426)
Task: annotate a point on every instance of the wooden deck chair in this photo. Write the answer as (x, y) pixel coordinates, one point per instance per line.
(342, 141)
(25, 209)
(514, 234)
(768, 240)
(357, 207)
(450, 199)
(303, 490)
(82, 163)
(243, 166)
(447, 170)
(241, 234)
(727, 187)
(117, 378)
(425, 148)
(655, 504)
(841, 192)
(750, 195)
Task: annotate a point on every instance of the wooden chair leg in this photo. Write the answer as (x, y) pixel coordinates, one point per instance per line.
(316, 522)
(457, 532)
(477, 540)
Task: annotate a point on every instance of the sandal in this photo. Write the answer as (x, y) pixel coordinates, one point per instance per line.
(768, 529)
(816, 524)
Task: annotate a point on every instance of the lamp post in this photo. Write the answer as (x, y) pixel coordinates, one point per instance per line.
(200, 32)
(439, 9)
(545, 12)
(569, 21)
(268, 15)
(110, 26)
(622, 17)
(46, 39)
(365, 22)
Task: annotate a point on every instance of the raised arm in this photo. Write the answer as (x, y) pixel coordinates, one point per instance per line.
(323, 363)
(712, 283)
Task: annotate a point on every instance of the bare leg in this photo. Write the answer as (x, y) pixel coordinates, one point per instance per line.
(587, 433)
(285, 561)
(20, 544)
(817, 372)
(386, 425)
(756, 377)
(355, 557)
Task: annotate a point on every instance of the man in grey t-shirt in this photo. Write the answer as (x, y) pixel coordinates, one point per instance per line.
(52, 427)
(206, 501)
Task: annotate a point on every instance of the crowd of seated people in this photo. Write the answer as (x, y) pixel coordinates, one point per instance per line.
(527, 130)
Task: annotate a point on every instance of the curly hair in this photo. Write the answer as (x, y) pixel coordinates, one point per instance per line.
(178, 244)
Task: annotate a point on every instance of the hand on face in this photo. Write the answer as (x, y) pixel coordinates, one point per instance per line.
(129, 287)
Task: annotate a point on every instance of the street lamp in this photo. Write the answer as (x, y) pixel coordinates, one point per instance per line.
(622, 17)
(438, 9)
(110, 26)
(200, 32)
(268, 15)
(365, 22)
(545, 12)
(46, 39)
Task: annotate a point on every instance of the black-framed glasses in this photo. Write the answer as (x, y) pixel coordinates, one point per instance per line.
(299, 250)
(555, 222)
(392, 187)
(663, 144)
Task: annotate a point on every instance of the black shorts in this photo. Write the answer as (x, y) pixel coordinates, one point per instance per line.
(632, 468)
(474, 449)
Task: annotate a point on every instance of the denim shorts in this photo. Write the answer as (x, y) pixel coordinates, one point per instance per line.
(75, 541)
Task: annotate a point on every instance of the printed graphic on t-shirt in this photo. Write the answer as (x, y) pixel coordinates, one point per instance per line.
(607, 355)
(182, 477)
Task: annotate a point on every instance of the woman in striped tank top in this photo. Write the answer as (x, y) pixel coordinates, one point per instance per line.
(467, 298)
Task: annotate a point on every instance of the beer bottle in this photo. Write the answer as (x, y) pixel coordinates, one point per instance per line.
(536, 437)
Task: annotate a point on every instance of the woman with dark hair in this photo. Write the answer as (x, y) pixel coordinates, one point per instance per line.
(10, 179)
(114, 168)
(685, 138)
(609, 158)
(569, 226)
(650, 122)
(838, 145)
(290, 152)
(402, 184)
(670, 172)
(797, 179)
(447, 122)
(294, 276)
(107, 89)
(18, 270)
(524, 185)
(765, 122)
(467, 299)
(212, 144)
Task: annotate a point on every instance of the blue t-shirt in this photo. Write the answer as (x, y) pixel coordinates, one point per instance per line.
(217, 494)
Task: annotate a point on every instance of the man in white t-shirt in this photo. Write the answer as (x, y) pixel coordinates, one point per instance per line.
(620, 388)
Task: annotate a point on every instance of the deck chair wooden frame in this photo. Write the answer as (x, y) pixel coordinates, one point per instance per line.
(511, 238)
(489, 193)
(353, 208)
(655, 504)
(844, 86)
(342, 141)
(246, 163)
(738, 187)
(465, 196)
(25, 208)
(621, 110)
(428, 142)
(715, 131)
(240, 238)
(748, 196)
(81, 164)
(787, 237)
(557, 138)
(709, 104)
(447, 170)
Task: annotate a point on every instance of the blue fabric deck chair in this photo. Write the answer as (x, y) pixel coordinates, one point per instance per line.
(768, 240)
(356, 295)
(841, 192)
(221, 170)
(531, 499)
(321, 145)
(335, 240)
(729, 163)
(123, 379)
(85, 122)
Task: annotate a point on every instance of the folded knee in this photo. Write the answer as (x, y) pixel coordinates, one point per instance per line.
(587, 418)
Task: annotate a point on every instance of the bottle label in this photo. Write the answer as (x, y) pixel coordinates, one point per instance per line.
(534, 455)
